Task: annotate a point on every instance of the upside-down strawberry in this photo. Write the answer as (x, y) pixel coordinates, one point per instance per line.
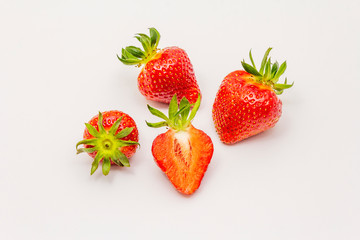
(183, 153)
(165, 72)
(247, 103)
(111, 137)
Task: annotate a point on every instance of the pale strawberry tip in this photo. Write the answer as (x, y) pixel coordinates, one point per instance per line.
(180, 115)
(269, 73)
(107, 145)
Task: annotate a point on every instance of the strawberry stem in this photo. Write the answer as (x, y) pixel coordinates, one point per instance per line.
(107, 145)
(179, 118)
(132, 55)
(269, 73)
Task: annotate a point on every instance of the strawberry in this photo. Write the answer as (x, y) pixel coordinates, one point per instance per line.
(165, 72)
(246, 103)
(110, 137)
(183, 153)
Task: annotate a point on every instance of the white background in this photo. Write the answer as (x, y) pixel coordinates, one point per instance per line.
(58, 68)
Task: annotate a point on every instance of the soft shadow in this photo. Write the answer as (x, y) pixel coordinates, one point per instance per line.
(156, 104)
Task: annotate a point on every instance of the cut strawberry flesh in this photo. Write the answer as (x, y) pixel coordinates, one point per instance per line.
(184, 156)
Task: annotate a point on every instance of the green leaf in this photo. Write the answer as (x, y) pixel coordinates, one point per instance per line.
(127, 58)
(181, 111)
(157, 125)
(106, 166)
(274, 69)
(281, 70)
(92, 130)
(248, 68)
(181, 117)
(130, 61)
(264, 61)
(115, 158)
(87, 150)
(94, 166)
(278, 92)
(185, 114)
(124, 160)
(132, 55)
(176, 122)
(145, 42)
(126, 55)
(124, 143)
(173, 107)
(100, 124)
(195, 108)
(115, 126)
(184, 104)
(117, 162)
(145, 37)
(123, 53)
(157, 113)
(282, 86)
(154, 38)
(135, 51)
(252, 60)
(91, 141)
(123, 133)
(95, 163)
(267, 69)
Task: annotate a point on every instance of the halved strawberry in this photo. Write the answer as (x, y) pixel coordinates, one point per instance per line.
(165, 71)
(110, 137)
(183, 153)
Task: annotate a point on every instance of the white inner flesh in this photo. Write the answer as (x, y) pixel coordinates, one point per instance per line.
(183, 139)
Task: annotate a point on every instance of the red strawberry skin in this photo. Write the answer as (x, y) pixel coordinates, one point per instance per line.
(184, 157)
(244, 108)
(109, 117)
(169, 72)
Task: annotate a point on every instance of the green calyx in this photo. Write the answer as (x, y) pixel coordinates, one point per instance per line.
(269, 73)
(107, 144)
(180, 115)
(135, 56)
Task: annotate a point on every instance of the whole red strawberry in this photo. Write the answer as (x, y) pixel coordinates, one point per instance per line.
(247, 103)
(110, 137)
(165, 72)
(183, 153)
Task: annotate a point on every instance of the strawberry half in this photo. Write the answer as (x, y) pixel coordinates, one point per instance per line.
(110, 137)
(165, 71)
(246, 103)
(183, 153)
